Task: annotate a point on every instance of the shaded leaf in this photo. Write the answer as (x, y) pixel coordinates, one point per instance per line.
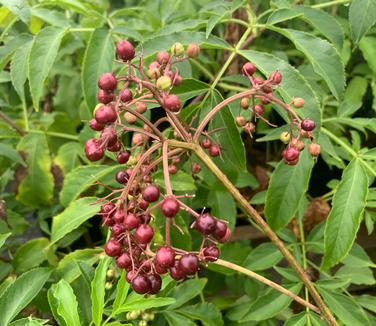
(264, 256)
(30, 254)
(9, 152)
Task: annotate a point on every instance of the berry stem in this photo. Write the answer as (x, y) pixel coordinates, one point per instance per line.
(166, 177)
(253, 214)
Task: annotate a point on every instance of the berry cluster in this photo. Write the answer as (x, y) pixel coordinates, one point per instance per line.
(128, 211)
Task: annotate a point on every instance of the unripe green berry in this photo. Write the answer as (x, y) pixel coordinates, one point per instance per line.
(177, 49)
(164, 82)
(284, 137)
(148, 316)
(110, 273)
(132, 315)
(143, 323)
(108, 286)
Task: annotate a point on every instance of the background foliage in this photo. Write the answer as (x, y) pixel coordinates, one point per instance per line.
(51, 55)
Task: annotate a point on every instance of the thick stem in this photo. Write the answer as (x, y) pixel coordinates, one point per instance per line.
(253, 214)
(267, 282)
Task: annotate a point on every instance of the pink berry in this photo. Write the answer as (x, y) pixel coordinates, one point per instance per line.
(126, 95)
(248, 69)
(107, 82)
(211, 253)
(113, 248)
(95, 125)
(308, 125)
(144, 233)
(170, 206)
(291, 154)
(151, 193)
(125, 50)
(105, 114)
(165, 256)
(123, 157)
(93, 150)
(172, 102)
(105, 97)
(189, 264)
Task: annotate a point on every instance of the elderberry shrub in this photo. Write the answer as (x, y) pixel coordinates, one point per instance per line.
(129, 210)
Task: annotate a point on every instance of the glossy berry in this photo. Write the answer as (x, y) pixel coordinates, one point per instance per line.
(143, 204)
(155, 283)
(144, 233)
(130, 275)
(105, 114)
(314, 149)
(220, 229)
(118, 216)
(214, 150)
(165, 256)
(291, 154)
(170, 206)
(105, 97)
(163, 57)
(176, 272)
(206, 143)
(189, 264)
(172, 102)
(193, 50)
(211, 253)
(126, 95)
(205, 223)
(131, 221)
(124, 261)
(107, 208)
(118, 230)
(95, 125)
(123, 157)
(141, 284)
(107, 82)
(284, 137)
(172, 169)
(151, 193)
(248, 69)
(112, 248)
(115, 147)
(122, 177)
(259, 109)
(226, 236)
(275, 77)
(160, 269)
(125, 50)
(93, 150)
(308, 125)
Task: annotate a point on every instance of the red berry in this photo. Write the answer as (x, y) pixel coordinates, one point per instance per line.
(118, 230)
(107, 208)
(123, 157)
(214, 150)
(308, 125)
(107, 82)
(205, 223)
(193, 50)
(126, 95)
(118, 216)
(143, 204)
(165, 256)
(95, 125)
(114, 148)
(160, 269)
(105, 97)
(141, 107)
(141, 284)
(109, 136)
(259, 109)
(275, 77)
(124, 261)
(130, 275)
(211, 253)
(131, 221)
(144, 233)
(172, 169)
(170, 206)
(144, 218)
(113, 248)
(155, 283)
(151, 193)
(176, 272)
(206, 143)
(248, 69)
(226, 236)
(125, 50)
(219, 229)
(291, 154)
(93, 150)
(122, 177)
(258, 80)
(189, 264)
(172, 102)
(196, 168)
(314, 149)
(163, 57)
(105, 114)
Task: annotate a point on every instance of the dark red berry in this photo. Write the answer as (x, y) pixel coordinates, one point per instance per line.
(115, 147)
(151, 193)
(118, 216)
(124, 261)
(165, 256)
(141, 284)
(144, 218)
(109, 136)
(125, 50)
(126, 95)
(220, 229)
(105, 114)
(143, 204)
(107, 82)
(95, 125)
(176, 272)
(205, 223)
(123, 157)
(130, 275)
(107, 208)
(226, 236)
(160, 269)
(214, 150)
(248, 69)
(258, 80)
(189, 264)
(170, 206)
(118, 230)
(291, 154)
(308, 125)
(155, 283)
(144, 233)
(211, 253)
(93, 150)
(122, 177)
(163, 57)
(131, 221)
(112, 248)
(105, 97)
(107, 220)
(172, 102)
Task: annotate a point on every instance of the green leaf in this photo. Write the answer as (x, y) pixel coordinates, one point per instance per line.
(10, 46)
(52, 17)
(358, 257)
(264, 256)
(122, 289)
(270, 304)
(298, 320)
(75, 5)
(37, 187)
(140, 303)
(68, 156)
(66, 302)
(30, 254)
(20, 293)
(367, 301)
(9, 152)
(223, 206)
(344, 219)
(42, 56)
(20, 8)
(175, 319)
(353, 99)
(187, 291)
(287, 187)
(362, 16)
(368, 47)
(98, 59)
(347, 309)
(80, 179)
(293, 83)
(3, 238)
(180, 181)
(98, 290)
(205, 312)
(73, 216)
(324, 58)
